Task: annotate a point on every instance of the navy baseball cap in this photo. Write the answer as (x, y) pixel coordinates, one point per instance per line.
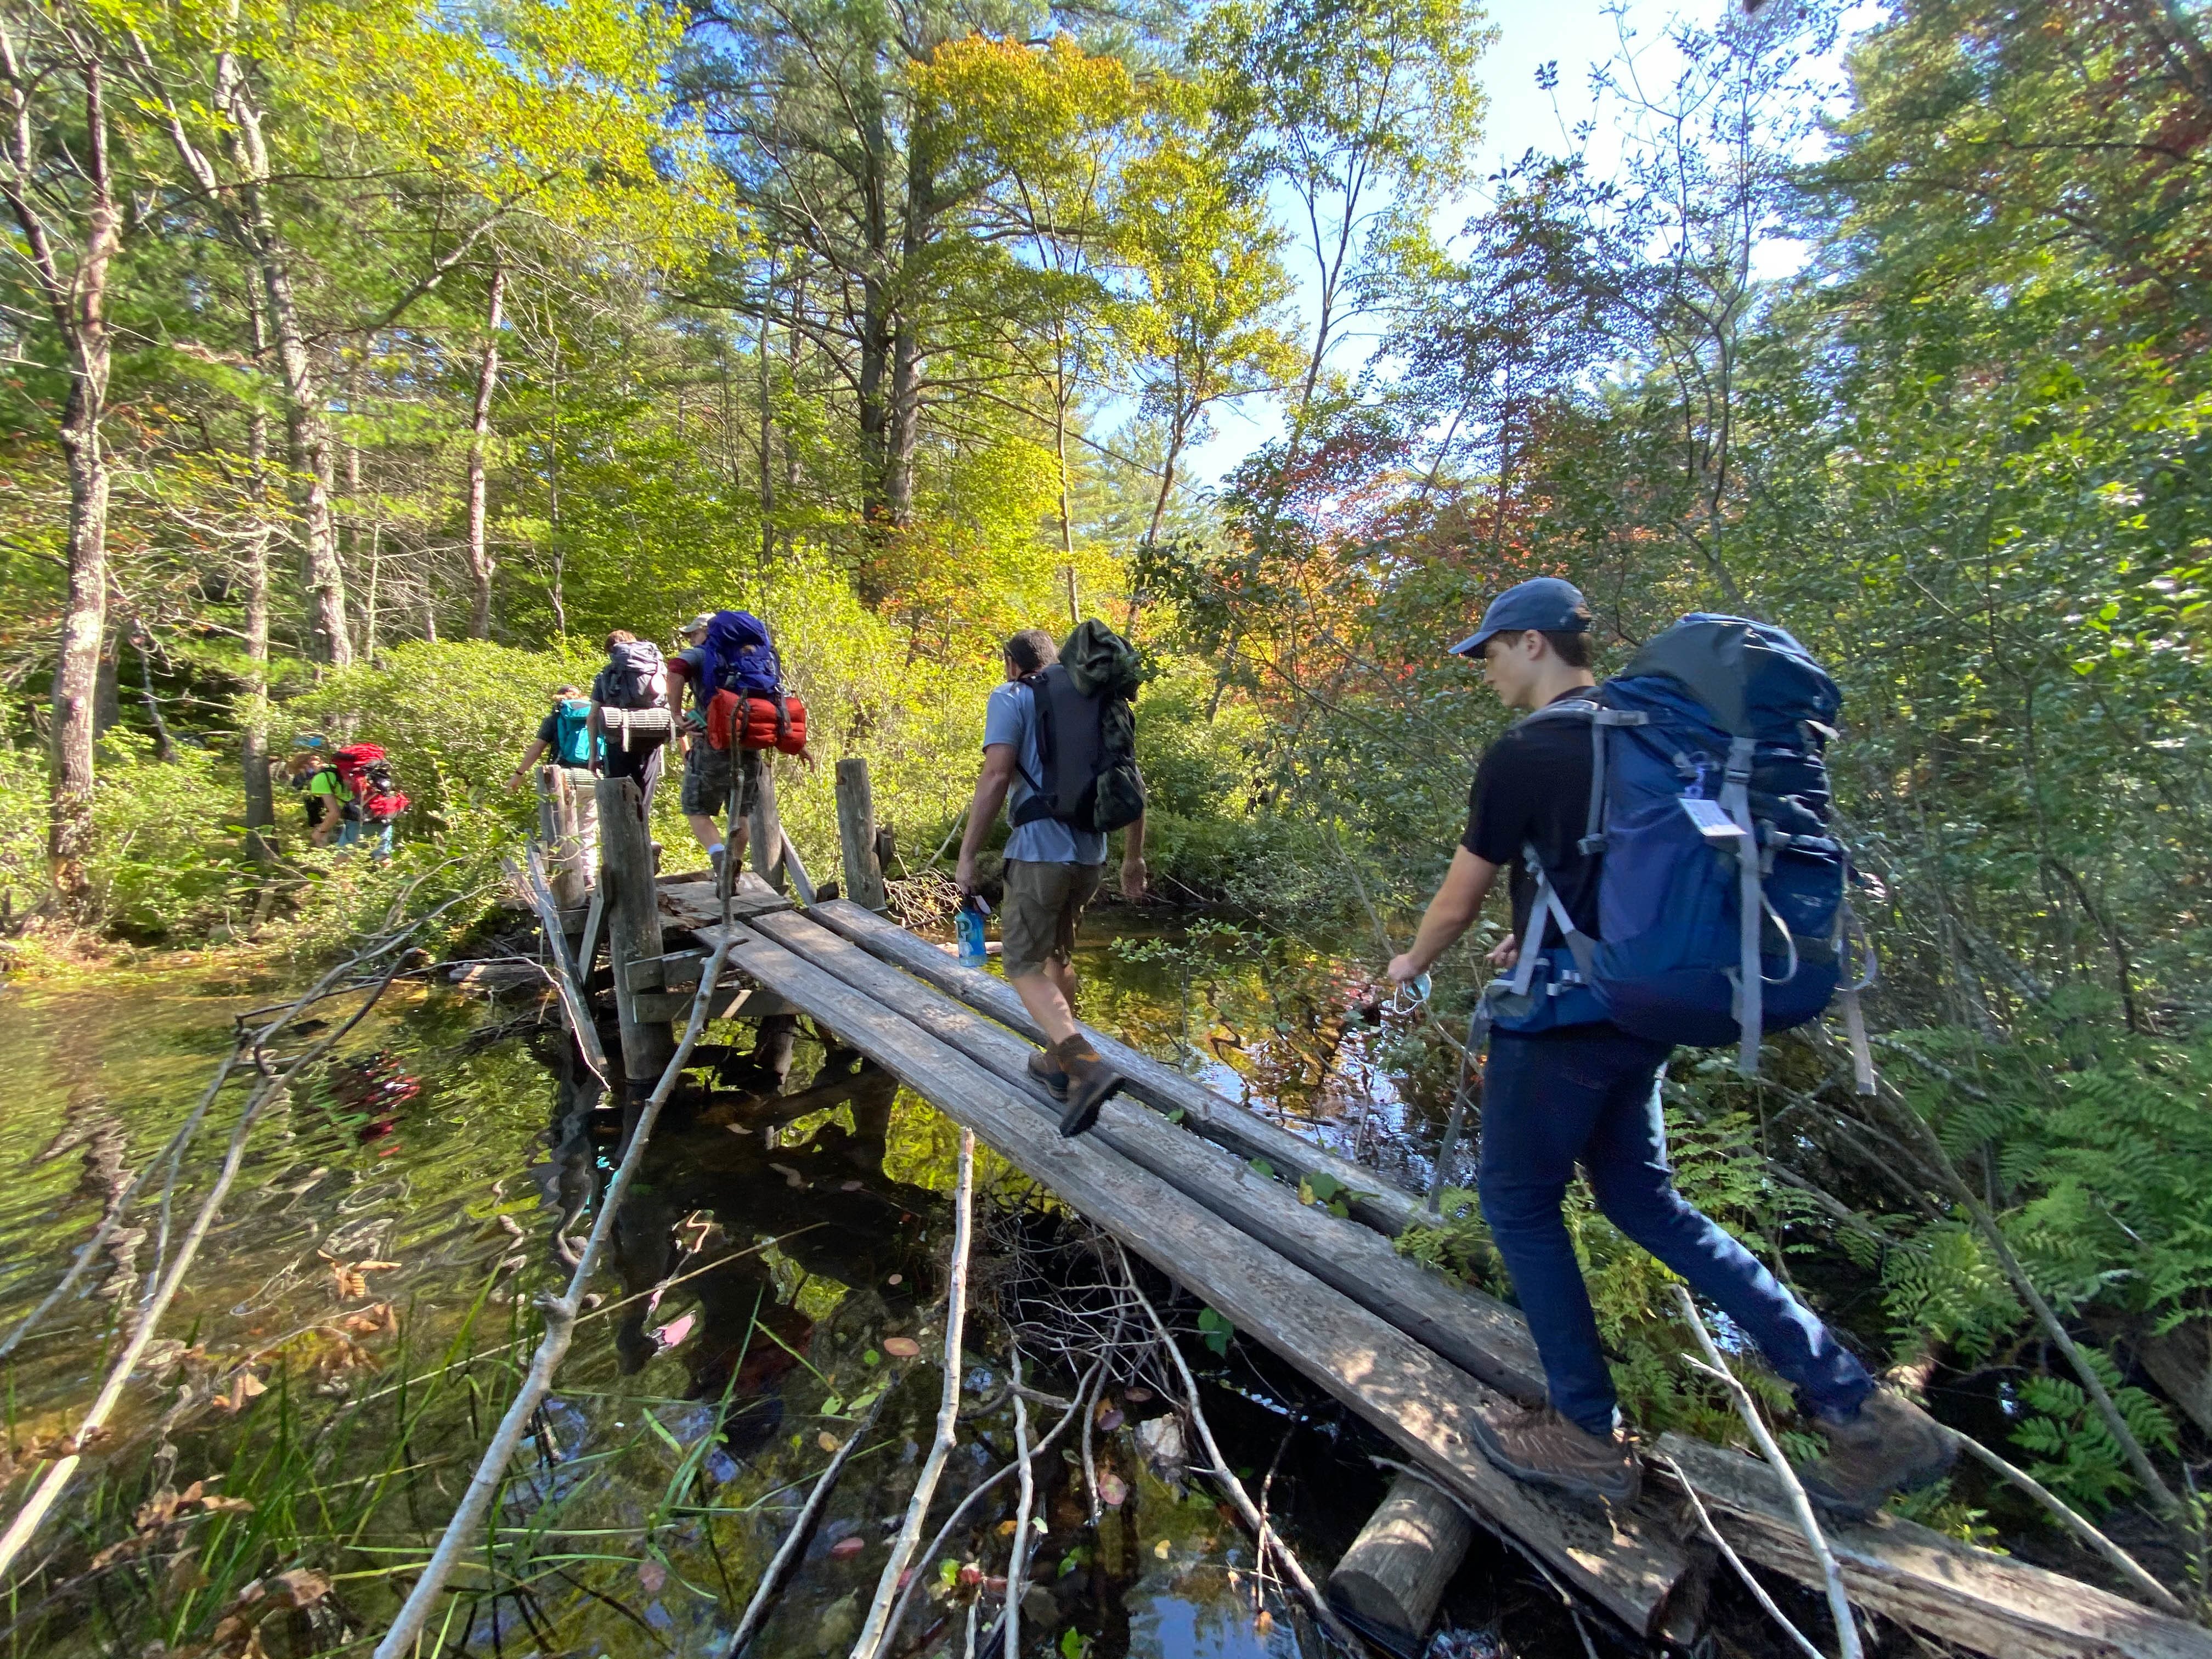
(1547, 604)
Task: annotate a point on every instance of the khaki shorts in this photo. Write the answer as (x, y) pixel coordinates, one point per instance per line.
(1037, 918)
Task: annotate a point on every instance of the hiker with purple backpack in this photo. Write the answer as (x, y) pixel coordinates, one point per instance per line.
(1642, 821)
(740, 711)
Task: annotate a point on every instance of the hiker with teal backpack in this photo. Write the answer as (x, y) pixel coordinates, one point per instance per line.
(1060, 751)
(565, 734)
(1672, 880)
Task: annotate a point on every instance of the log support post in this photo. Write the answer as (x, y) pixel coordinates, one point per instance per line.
(856, 835)
(1392, 1579)
(569, 817)
(633, 903)
(764, 824)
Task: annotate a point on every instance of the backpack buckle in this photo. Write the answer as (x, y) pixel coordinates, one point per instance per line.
(1590, 846)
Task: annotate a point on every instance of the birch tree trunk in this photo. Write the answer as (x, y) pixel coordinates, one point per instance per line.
(76, 298)
(481, 565)
(253, 735)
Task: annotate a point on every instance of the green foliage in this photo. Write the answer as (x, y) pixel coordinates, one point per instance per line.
(1215, 1330)
(2077, 1456)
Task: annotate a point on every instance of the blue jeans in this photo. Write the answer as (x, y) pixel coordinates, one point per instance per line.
(1590, 1093)
(354, 832)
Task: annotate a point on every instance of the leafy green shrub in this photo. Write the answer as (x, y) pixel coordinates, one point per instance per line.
(167, 864)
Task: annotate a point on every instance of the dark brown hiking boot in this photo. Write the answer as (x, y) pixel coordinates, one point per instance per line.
(1891, 1445)
(1543, 1447)
(1090, 1081)
(1046, 1070)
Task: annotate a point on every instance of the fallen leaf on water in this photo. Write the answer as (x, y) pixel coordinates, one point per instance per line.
(1113, 1491)
(378, 1316)
(850, 1187)
(971, 1575)
(652, 1574)
(243, 1388)
(1264, 1621)
(826, 1440)
(184, 1575)
(1160, 1549)
(350, 1284)
(391, 1267)
(1005, 1529)
(846, 1548)
(675, 1330)
(895, 1279)
(791, 1176)
(1137, 1397)
(302, 1587)
(902, 1347)
(1109, 1416)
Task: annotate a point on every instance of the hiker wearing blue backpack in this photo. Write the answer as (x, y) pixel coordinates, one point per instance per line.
(1626, 815)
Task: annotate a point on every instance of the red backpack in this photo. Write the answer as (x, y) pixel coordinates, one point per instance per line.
(369, 778)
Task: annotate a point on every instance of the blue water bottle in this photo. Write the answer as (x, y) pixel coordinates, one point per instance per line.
(969, 922)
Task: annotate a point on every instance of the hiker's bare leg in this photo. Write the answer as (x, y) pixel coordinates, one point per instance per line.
(703, 827)
(1061, 972)
(1048, 1003)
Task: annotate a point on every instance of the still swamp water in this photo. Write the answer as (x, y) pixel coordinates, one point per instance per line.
(360, 1317)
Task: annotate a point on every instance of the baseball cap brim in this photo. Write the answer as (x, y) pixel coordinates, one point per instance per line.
(1474, 642)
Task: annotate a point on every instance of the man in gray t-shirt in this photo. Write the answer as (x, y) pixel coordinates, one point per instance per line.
(1053, 871)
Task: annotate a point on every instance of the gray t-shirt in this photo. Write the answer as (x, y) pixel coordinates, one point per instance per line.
(1011, 718)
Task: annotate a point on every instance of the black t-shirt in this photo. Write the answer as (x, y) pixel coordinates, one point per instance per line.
(549, 729)
(1533, 788)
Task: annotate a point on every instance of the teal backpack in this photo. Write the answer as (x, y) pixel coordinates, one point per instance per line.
(572, 731)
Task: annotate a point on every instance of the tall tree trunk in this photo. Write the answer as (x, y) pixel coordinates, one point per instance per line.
(480, 560)
(254, 738)
(767, 447)
(77, 301)
(250, 221)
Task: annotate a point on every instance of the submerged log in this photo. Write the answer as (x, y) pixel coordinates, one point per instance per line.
(1393, 1578)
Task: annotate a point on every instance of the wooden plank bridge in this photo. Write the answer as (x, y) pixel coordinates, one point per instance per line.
(1208, 1193)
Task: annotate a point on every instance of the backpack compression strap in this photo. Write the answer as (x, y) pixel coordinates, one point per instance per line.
(1750, 988)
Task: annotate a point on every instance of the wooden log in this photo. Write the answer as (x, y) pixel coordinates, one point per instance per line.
(1953, 1591)
(574, 850)
(1393, 1578)
(1479, 1333)
(633, 926)
(856, 835)
(1626, 1560)
(1212, 1116)
(764, 823)
(667, 972)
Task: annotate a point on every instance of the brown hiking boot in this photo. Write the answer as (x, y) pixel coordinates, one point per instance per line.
(1542, 1447)
(1046, 1070)
(1890, 1445)
(1090, 1081)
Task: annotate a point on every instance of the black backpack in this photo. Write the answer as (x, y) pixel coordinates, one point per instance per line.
(631, 677)
(1087, 734)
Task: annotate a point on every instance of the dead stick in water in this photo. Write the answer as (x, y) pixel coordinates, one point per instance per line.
(1235, 1488)
(877, 1630)
(1832, 1575)
(1018, 1561)
(560, 1312)
(794, 1541)
(952, 1521)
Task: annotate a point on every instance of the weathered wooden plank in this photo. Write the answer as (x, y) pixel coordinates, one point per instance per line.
(1479, 1333)
(689, 903)
(1212, 1116)
(731, 1002)
(1951, 1590)
(667, 972)
(1627, 1561)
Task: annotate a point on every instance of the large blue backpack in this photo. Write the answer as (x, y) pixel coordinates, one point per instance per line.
(1721, 910)
(740, 656)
